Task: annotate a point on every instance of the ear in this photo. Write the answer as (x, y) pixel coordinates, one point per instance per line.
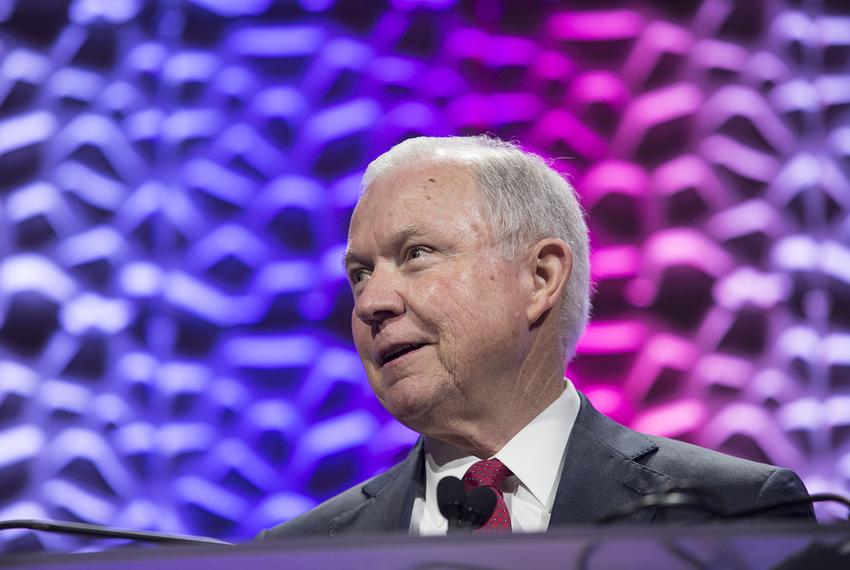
(551, 263)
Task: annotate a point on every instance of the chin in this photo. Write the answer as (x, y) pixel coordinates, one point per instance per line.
(406, 411)
(408, 406)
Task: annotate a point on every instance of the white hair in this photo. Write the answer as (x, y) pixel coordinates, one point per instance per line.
(525, 199)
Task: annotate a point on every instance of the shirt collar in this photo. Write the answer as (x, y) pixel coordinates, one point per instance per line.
(535, 455)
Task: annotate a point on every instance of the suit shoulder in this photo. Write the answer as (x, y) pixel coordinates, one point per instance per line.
(740, 483)
(680, 459)
(317, 520)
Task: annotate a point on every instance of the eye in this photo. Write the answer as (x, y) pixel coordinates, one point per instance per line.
(358, 275)
(416, 252)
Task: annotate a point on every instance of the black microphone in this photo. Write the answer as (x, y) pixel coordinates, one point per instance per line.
(451, 498)
(479, 507)
(85, 529)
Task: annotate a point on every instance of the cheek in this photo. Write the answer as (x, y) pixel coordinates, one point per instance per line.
(450, 300)
(460, 307)
(485, 309)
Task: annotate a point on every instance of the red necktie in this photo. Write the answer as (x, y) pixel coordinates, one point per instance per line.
(490, 473)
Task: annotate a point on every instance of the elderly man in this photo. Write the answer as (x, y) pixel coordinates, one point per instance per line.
(468, 261)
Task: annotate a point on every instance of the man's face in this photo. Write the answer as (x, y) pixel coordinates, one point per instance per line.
(440, 314)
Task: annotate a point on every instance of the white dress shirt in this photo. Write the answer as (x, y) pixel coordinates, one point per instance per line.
(535, 455)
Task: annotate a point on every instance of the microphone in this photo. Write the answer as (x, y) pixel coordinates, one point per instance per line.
(85, 529)
(450, 499)
(479, 507)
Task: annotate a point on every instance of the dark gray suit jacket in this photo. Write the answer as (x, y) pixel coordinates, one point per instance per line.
(607, 466)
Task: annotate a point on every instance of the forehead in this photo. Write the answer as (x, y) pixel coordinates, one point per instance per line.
(422, 196)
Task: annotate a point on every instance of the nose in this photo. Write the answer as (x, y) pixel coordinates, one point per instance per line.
(379, 298)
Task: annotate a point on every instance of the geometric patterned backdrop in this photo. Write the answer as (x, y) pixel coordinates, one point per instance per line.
(176, 179)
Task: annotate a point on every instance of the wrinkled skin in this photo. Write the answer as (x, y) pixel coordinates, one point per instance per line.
(424, 269)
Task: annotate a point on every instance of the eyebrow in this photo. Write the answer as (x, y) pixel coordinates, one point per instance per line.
(400, 237)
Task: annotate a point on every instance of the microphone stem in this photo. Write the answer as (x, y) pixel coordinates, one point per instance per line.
(85, 529)
(454, 525)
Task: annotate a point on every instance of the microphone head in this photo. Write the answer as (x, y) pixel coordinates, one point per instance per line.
(480, 504)
(450, 497)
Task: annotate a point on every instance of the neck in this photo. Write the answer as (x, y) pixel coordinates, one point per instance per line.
(522, 394)
(484, 436)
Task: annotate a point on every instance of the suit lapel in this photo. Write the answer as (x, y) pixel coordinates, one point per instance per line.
(600, 473)
(389, 499)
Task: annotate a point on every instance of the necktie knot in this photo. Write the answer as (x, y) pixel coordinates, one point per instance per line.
(486, 473)
(490, 473)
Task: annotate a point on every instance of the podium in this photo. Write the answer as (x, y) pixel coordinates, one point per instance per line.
(744, 546)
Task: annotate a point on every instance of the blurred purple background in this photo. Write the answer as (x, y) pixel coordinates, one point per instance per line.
(176, 179)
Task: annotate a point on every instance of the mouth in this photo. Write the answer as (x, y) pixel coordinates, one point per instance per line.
(396, 352)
